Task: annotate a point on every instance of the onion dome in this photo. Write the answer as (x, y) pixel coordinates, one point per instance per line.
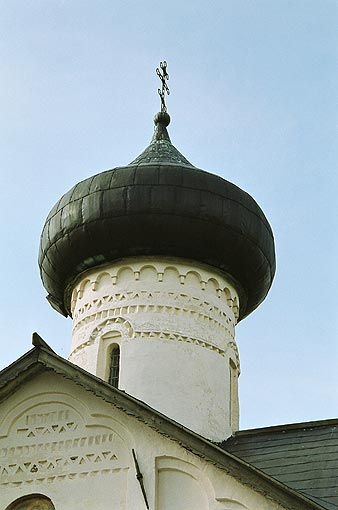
(158, 205)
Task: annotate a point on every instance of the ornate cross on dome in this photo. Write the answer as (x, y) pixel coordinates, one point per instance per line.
(163, 76)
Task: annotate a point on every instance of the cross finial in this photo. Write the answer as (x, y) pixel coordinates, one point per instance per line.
(163, 76)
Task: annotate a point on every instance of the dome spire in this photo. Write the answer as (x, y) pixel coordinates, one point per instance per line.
(161, 149)
(162, 118)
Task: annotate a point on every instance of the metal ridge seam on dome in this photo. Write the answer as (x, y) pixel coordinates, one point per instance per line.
(135, 213)
(261, 216)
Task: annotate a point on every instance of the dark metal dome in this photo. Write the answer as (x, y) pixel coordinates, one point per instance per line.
(159, 204)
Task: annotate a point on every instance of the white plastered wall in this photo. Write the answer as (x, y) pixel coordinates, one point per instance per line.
(71, 446)
(174, 321)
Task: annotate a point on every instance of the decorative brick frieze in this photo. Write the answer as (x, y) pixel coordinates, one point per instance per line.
(174, 323)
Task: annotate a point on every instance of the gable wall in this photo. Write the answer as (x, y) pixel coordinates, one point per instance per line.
(62, 441)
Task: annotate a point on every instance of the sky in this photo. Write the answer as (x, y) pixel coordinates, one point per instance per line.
(253, 99)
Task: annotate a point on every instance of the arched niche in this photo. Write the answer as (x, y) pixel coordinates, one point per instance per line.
(125, 275)
(193, 279)
(181, 485)
(107, 342)
(148, 273)
(171, 276)
(212, 286)
(84, 285)
(103, 281)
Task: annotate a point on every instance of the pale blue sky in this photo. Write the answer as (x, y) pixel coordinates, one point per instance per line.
(253, 98)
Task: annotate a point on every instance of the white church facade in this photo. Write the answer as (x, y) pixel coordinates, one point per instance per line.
(156, 262)
(69, 437)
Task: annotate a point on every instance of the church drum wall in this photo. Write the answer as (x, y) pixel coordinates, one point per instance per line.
(174, 321)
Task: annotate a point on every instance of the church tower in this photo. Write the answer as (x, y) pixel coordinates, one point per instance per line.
(156, 262)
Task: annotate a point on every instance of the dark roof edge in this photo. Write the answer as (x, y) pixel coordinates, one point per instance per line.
(288, 426)
(39, 342)
(246, 473)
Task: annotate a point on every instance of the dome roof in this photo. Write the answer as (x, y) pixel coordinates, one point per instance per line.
(159, 204)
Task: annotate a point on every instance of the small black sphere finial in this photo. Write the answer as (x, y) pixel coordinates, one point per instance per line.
(162, 118)
(164, 77)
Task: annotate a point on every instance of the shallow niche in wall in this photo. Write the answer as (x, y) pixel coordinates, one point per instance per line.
(181, 485)
(32, 502)
(170, 275)
(149, 274)
(125, 275)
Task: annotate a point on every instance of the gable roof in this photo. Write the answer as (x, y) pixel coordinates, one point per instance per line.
(41, 358)
(304, 456)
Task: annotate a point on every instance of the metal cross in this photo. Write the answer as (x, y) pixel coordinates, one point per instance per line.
(163, 76)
